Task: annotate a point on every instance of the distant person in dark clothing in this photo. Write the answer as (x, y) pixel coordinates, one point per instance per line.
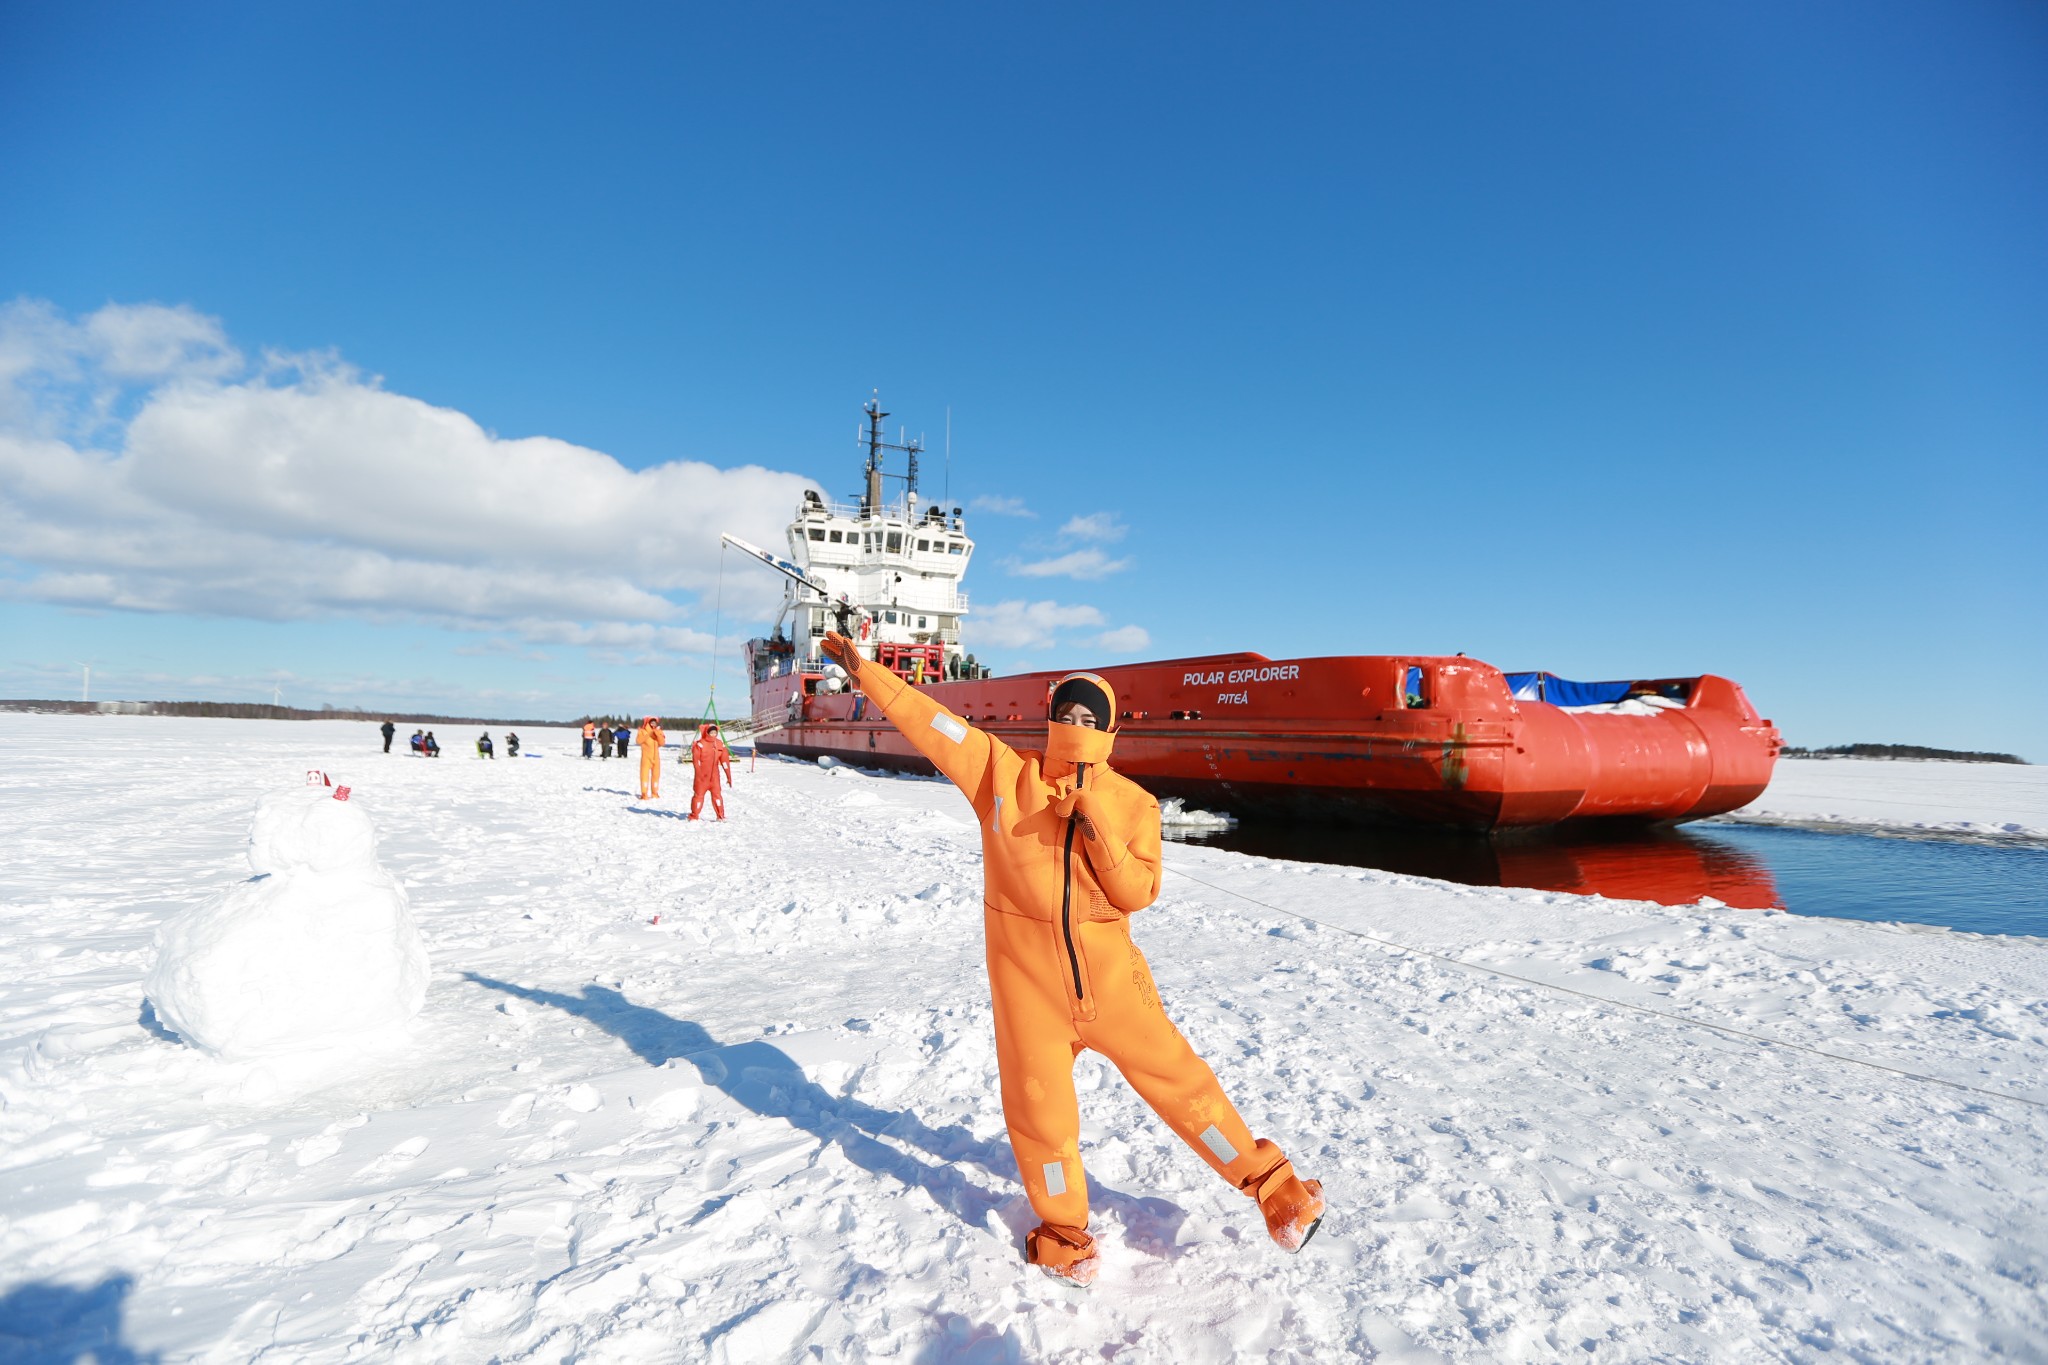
(604, 740)
(389, 730)
(483, 746)
(621, 739)
(511, 744)
(431, 746)
(419, 741)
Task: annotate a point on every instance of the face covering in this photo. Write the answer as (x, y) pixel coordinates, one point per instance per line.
(1078, 743)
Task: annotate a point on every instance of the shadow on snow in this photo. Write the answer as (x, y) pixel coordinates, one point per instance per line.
(769, 1081)
(60, 1322)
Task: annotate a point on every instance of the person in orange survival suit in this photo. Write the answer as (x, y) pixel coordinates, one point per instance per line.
(707, 754)
(650, 739)
(1070, 848)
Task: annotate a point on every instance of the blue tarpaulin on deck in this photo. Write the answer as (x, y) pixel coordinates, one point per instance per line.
(1563, 691)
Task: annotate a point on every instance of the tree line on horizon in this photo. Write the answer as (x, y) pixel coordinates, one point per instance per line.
(235, 710)
(1901, 751)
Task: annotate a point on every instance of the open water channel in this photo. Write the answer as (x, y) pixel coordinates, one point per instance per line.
(1982, 888)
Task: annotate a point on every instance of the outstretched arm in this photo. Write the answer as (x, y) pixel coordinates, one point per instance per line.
(955, 748)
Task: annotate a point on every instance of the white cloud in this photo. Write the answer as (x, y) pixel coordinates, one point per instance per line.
(1090, 563)
(1024, 625)
(1000, 506)
(1102, 526)
(1124, 640)
(146, 465)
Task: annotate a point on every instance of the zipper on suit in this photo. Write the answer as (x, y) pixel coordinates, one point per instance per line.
(1067, 892)
(1067, 909)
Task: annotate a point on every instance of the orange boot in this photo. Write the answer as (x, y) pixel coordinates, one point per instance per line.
(1293, 1207)
(1063, 1253)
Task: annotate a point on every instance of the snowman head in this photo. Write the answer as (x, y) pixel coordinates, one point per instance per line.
(308, 828)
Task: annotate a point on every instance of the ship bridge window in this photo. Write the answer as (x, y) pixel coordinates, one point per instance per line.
(890, 617)
(835, 537)
(920, 623)
(924, 545)
(1414, 689)
(817, 534)
(895, 542)
(954, 548)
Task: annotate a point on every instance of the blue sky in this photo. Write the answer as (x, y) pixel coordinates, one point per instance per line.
(1613, 339)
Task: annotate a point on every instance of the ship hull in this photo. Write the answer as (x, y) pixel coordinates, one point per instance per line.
(1426, 741)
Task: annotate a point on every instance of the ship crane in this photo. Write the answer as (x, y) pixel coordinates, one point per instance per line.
(795, 575)
(781, 566)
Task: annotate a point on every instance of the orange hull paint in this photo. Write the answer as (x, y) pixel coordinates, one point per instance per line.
(1333, 739)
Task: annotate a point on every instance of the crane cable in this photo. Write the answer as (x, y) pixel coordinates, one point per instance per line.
(1764, 1039)
(717, 634)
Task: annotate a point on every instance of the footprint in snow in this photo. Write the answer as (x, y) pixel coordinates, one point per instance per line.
(398, 1158)
(316, 1149)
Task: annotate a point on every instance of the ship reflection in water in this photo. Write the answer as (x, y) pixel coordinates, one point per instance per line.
(1670, 866)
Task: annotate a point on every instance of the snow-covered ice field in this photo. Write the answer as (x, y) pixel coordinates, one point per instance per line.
(765, 1128)
(1954, 800)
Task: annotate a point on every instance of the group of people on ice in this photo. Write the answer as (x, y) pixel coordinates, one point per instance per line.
(709, 757)
(600, 737)
(424, 745)
(484, 748)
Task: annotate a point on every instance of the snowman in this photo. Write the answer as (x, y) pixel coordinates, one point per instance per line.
(317, 950)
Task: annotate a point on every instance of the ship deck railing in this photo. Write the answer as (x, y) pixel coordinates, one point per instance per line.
(851, 511)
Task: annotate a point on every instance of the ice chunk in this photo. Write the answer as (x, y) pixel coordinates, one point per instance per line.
(1175, 815)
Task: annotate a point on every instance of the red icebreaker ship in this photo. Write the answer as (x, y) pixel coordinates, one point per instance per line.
(1447, 742)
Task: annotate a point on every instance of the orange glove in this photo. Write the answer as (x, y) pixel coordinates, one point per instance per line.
(1104, 848)
(840, 651)
(1077, 804)
(1082, 805)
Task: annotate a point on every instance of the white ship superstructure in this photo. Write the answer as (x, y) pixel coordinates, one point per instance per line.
(883, 572)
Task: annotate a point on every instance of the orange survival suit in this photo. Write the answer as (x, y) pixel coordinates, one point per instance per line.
(650, 739)
(1063, 972)
(707, 754)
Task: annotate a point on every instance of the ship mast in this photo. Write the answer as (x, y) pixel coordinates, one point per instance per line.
(877, 442)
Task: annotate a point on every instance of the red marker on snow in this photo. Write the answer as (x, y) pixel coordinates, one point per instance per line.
(341, 793)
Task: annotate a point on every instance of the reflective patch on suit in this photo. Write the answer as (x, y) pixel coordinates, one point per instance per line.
(1056, 1177)
(950, 728)
(1213, 1139)
(995, 818)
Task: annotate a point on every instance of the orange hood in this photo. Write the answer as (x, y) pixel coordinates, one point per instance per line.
(1072, 744)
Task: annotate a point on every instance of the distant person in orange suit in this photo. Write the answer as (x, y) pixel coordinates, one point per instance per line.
(650, 739)
(707, 755)
(1070, 849)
